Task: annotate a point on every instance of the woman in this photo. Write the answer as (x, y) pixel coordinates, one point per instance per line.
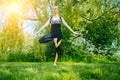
(55, 34)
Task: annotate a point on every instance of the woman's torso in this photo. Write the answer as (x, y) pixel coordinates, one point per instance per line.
(56, 26)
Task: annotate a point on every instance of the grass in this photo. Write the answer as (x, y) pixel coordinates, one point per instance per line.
(63, 71)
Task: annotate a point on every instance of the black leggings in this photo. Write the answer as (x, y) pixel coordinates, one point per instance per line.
(57, 49)
(48, 38)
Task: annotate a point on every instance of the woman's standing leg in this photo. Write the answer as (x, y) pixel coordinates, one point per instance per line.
(57, 45)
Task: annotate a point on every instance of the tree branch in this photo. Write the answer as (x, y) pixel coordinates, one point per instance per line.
(100, 15)
(30, 18)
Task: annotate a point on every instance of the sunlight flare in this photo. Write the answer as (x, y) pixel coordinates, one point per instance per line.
(15, 8)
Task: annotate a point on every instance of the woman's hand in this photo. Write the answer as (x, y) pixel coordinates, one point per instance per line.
(76, 33)
(35, 33)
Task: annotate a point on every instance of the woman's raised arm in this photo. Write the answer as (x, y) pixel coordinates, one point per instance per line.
(66, 25)
(45, 25)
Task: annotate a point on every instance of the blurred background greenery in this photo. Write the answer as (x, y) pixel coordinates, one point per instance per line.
(98, 21)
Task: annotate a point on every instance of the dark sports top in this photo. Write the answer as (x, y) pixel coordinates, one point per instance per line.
(56, 28)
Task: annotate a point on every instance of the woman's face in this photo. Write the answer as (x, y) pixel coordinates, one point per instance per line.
(55, 10)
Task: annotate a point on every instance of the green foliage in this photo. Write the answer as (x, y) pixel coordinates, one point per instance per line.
(103, 32)
(11, 39)
(97, 21)
(39, 51)
(19, 57)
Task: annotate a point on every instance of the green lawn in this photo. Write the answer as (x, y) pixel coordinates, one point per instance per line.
(63, 71)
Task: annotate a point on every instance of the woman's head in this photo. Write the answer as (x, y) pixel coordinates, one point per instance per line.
(55, 9)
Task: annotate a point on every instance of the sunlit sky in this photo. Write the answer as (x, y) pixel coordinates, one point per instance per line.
(28, 25)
